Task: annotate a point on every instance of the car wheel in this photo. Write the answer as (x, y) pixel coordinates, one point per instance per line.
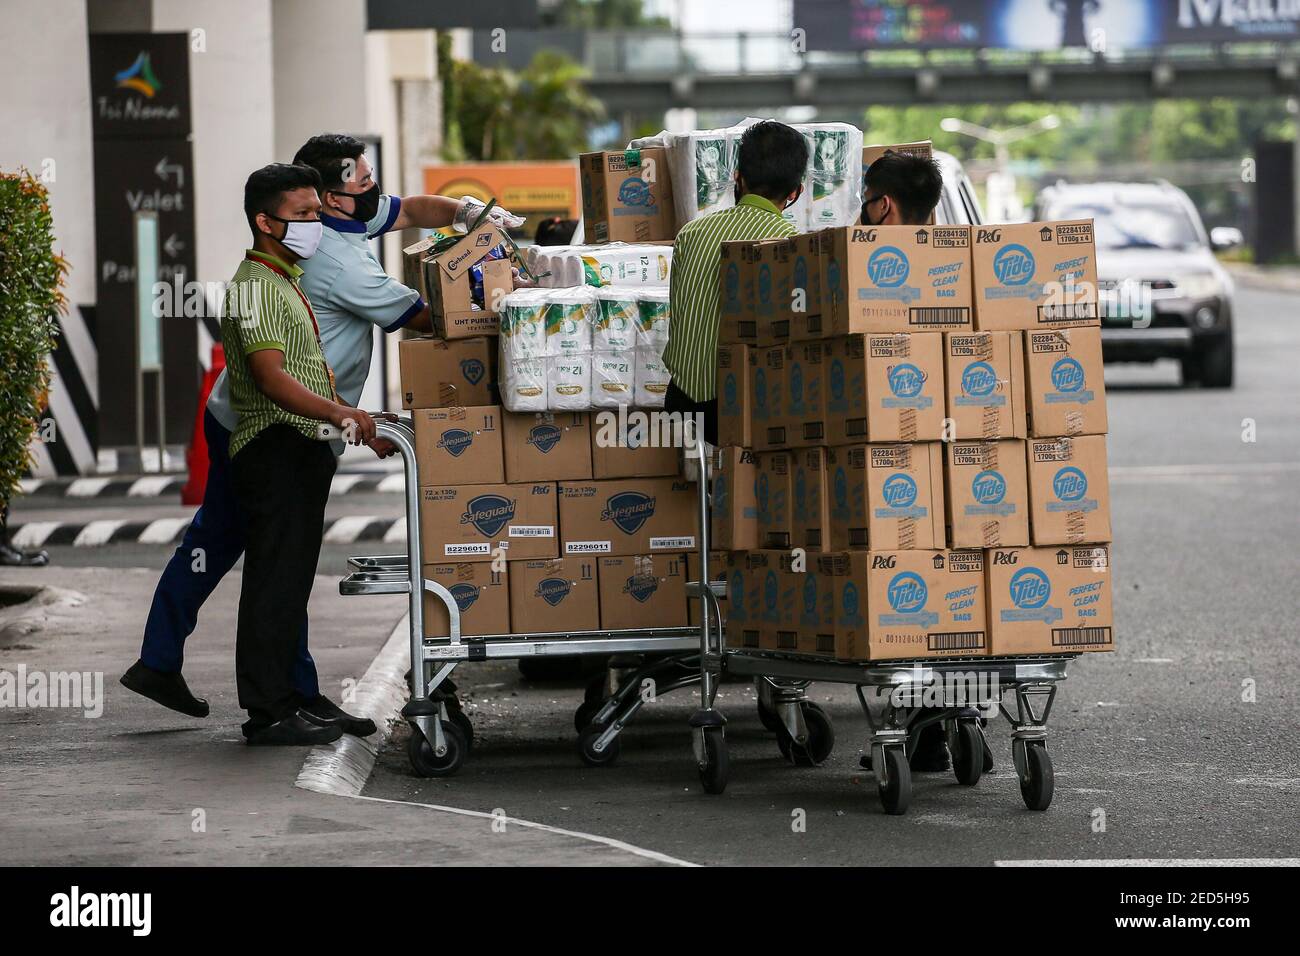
(1211, 366)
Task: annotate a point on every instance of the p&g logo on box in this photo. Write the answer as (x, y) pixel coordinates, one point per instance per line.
(544, 437)
(628, 510)
(553, 590)
(465, 595)
(488, 513)
(1030, 588)
(887, 267)
(1070, 484)
(979, 379)
(906, 380)
(899, 491)
(907, 592)
(988, 488)
(1013, 264)
(455, 440)
(1067, 375)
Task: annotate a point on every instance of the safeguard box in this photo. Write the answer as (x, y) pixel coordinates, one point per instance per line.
(775, 489)
(905, 496)
(554, 595)
(1035, 275)
(735, 369)
(985, 372)
(806, 287)
(437, 373)
(735, 499)
(1050, 600)
(627, 196)
(628, 516)
(468, 522)
(547, 446)
(768, 420)
(1069, 490)
(642, 590)
(736, 294)
(810, 516)
(988, 494)
(629, 450)
(886, 387)
(1067, 388)
(806, 370)
(481, 594)
(896, 279)
(443, 280)
(460, 443)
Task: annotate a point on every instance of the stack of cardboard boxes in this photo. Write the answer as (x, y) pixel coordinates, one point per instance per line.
(537, 523)
(913, 460)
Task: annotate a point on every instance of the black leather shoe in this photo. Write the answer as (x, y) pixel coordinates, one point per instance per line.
(325, 712)
(296, 730)
(170, 690)
(931, 754)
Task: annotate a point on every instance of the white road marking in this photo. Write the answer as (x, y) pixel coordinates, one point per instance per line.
(347, 528)
(393, 483)
(28, 486)
(96, 533)
(34, 533)
(162, 531)
(86, 487)
(150, 486)
(1226, 473)
(342, 484)
(1256, 861)
(397, 532)
(1154, 660)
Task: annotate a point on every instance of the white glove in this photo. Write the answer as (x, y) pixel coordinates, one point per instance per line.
(470, 209)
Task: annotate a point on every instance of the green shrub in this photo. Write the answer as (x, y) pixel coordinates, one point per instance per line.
(31, 294)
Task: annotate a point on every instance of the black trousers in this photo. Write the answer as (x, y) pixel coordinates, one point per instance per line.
(282, 481)
(675, 400)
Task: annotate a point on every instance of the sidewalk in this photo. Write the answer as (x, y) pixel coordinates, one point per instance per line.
(131, 786)
(1273, 278)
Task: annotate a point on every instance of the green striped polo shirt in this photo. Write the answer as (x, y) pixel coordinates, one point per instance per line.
(694, 312)
(265, 310)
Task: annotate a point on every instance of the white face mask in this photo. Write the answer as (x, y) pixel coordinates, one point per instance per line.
(301, 237)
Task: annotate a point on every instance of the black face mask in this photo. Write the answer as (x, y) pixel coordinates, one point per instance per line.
(367, 203)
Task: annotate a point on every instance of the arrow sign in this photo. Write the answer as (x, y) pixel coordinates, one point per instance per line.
(173, 245)
(164, 168)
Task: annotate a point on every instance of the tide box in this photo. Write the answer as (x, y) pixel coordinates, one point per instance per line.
(985, 372)
(924, 604)
(779, 596)
(1050, 600)
(481, 593)
(625, 446)
(846, 491)
(774, 490)
(817, 631)
(1035, 275)
(806, 287)
(1069, 490)
(896, 279)
(628, 516)
(555, 595)
(805, 413)
(735, 368)
(468, 522)
(1067, 388)
(735, 499)
(627, 195)
(810, 517)
(437, 373)
(905, 496)
(642, 590)
(546, 446)
(772, 277)
(461, 443)
(741, 604)
(767, 398)
(737, 325)
(886, 387)
(988, 494)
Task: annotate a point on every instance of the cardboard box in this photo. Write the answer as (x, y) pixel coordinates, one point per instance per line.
(461, 443)
(720, 564)
(468, 522)
(481, 593)
(444, 281)
(988, 494)
(905, 496)
(735, 499)
(779, 597)
(1050, 600)
(627, 196)
(924, 604)
(810, 517)
(547, 446)
(1067, 387)
(642, 590)
(1069, 490)
(775, 490)
(773, 275)
(747, 577)
(1035, 275)
(816, 625)
(896, 279)
(735, 369)
(767, 399)
(736, 294)
(807, 366)
(437, 373)
(886, 387)
(629, 516)
(985, 372)
(806, 287)
(627, 446)
(555, 595)
(871, 153)
(846, 486)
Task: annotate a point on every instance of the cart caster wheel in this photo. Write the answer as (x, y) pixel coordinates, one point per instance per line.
(716, 767)
(968, 754)
(586, 747)
(1038, 783)
(769, 718)
(426, 763)
(587, 710)
(821, 738)
(895, 786)
(457, 717)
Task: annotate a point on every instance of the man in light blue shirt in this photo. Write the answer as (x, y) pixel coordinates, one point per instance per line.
(350, 294)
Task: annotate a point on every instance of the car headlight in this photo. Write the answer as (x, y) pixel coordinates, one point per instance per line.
(1200, 285)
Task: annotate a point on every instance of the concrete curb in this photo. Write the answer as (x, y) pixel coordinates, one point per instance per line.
(346, 529)
(1276, 279)
(158, 486)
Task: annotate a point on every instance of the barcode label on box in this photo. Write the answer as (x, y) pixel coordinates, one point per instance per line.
(955, 641)
(587, 547)
(453, 550)
(1067, 312)
(939, 315)
(1081, 637)
(680, 543)
(532, 531)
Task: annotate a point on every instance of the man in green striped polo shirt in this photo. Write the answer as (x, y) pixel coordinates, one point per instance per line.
(282, 389)
(770, 168)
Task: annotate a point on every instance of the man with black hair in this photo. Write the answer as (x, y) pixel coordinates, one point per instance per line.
(900, 189)
(770, 167)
